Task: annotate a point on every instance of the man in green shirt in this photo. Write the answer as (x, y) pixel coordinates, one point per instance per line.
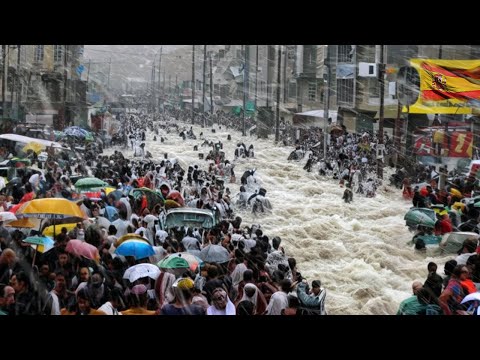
(411, 305)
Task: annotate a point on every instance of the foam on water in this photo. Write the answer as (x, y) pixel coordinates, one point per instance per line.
(358, 250)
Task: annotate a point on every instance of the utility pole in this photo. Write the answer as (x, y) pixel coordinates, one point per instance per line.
(65, 83)
(326, 106)
(285, 87)
(380, 146)
(245, 86)
(109, 69)
(256, 78)
(19, 82)
(211, 88)
(193, 84)
(4, 79)
(268, 77)
(204, 80)
(153, 75)
(279, 69)
(157, 101)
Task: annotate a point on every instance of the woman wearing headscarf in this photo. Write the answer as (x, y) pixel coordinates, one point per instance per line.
(255, 296)
(221, 304)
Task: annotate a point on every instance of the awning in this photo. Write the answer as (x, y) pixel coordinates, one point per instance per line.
(319, 113)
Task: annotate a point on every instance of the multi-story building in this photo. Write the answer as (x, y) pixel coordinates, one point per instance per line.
(44, 84)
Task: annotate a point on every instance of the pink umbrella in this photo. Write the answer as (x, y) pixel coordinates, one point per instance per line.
(82, 248)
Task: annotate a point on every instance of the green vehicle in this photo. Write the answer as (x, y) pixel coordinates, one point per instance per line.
(200, 219)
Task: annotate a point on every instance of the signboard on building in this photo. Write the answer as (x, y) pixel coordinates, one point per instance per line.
(455, 141)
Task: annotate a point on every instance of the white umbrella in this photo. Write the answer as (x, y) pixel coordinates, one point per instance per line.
(140, 271)
(471, 297)
(7, 216)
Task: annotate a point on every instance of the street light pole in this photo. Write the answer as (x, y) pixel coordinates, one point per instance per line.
(326, 95)
(211, 88)
(380, 146)
(279, 69)
(193, 84)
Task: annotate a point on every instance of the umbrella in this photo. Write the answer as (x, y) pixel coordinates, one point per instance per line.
(51, 208)
(153, 197)
(180, 260)
(90, 183)
(420, 216)
(48, 231)
(40, 243)
(59, 210)
(139, 271)
(136, 248)
(473, 297)
(34, 146)
(7, 216)
(175, 195)
(111, 213)
(82, 248)
(214, 254)
(22, 223)
(129, 236)
(76, 131)
(116, 193)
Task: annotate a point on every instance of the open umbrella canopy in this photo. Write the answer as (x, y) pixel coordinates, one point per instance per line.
(78, 132)
(136, 248)
(34, 146)
(139, 271)
(153, 197)
(129, 236)
(81, 248)
(111, 213)
(420, 216)
(214, 254)
(90, 183)
(23, 223)
(7, 216)
(173, 262)
(63, 210)
(48, 231)
(41, 243)
(180, 260)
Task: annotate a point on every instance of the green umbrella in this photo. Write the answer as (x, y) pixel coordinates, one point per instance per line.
(173, 262)
(421, 216)
(90, 183)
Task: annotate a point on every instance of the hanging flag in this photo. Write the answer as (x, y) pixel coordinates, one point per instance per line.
(446, 86)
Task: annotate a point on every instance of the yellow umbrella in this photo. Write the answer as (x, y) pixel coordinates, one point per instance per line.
(109, 189)
(48, 231)
(34, 146)
(57, 210)
(51, 208)
(22, 223)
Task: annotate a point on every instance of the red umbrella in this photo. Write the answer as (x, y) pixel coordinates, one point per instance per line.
(82, 248)
(175, 195)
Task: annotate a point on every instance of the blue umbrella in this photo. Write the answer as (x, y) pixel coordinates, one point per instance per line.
(111, 213)
(136, 248)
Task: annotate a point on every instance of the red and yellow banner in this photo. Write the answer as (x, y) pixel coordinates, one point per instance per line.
(446, 86)
(431, 141)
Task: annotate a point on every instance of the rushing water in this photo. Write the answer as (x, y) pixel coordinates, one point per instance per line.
(357, 250)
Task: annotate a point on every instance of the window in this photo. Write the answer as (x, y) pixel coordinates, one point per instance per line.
(38, 55)
(312, 91)
(345, 91)
(345, 53)
(221, 54)
(57, 53)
